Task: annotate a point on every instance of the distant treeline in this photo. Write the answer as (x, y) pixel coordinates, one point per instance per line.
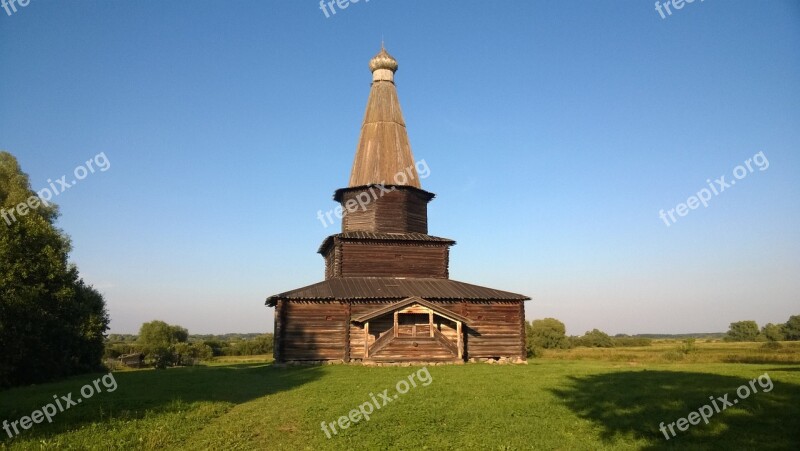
(162, 345)
(550, 333)
(708, 335)
(193, 337)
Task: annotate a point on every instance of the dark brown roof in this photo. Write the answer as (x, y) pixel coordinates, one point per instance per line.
(393, 288)
(339, 193)
(358, 235)
(408, 301)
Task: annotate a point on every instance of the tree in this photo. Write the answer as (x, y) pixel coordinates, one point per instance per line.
(595, 339)
(158, 339)
(52, 324)
(262, 344)
(772, 332)
(791, 329)
(742, 331)
(548, 333)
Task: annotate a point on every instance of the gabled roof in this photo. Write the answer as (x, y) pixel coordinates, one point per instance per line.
(361, 236)
(410, 301)
(344, 288)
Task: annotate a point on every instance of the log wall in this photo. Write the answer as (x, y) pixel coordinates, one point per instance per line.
(494, 330)
(314, 330)
(322, 330)
(391, 259)
(399, 211)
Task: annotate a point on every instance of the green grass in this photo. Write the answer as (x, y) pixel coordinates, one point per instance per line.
(548, 404)
(668, 351)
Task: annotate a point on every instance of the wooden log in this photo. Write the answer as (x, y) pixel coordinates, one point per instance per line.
(347, 334)
(523, 351)
(279, 312)
(460, 340)
(366, 340)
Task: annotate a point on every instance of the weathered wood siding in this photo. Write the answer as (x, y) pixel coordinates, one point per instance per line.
(377, 327)
(313, 330)
(497, 329)
(333, 262)
(399, 211)
(494, 330)
(414, 349)
(387, 259)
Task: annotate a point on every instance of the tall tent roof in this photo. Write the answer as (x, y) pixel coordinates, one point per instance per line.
(383, 149)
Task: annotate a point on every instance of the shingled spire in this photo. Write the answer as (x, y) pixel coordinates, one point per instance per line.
(383, 149)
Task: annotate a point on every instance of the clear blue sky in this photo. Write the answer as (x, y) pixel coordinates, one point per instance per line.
(555, 132)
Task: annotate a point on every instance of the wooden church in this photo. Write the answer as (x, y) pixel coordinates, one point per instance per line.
(387, 295)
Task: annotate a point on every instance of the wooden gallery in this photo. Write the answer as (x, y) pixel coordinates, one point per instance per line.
(387, 295)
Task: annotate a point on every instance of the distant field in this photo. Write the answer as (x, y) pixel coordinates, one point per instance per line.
(667, 351)
(611, 399)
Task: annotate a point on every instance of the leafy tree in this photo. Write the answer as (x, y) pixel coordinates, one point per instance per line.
(595, 339)
(158, 339)
(548, 333)
(742, 331)
(201, 352)
(188, 353)
(791, 330)
(772, 332)
(52, 324)
(218, 347)
(262, 344)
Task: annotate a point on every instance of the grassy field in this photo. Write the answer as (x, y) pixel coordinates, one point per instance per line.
(667, 351)
(577, 399)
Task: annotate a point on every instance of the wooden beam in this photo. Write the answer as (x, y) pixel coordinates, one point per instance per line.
(347, 333)
(523, 336)
(460, 340)
(279, 316)
(430, 322)
(366, 340)
(396, 325)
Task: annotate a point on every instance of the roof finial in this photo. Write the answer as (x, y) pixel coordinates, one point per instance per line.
(383, 66)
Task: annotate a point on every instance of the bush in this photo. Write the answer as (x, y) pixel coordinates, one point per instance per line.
(742, 331)
(159, 342)
(688, 346)
(772, 345)
(594, 339)
(162, 358)
(535, 351)
(773, 332)
(791, 330)
(114, 350)
(548, 333)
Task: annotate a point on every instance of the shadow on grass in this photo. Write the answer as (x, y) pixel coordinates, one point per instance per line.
(148, 392)
(633, 404)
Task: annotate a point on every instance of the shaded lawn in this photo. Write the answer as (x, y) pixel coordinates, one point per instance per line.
(547, 404)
